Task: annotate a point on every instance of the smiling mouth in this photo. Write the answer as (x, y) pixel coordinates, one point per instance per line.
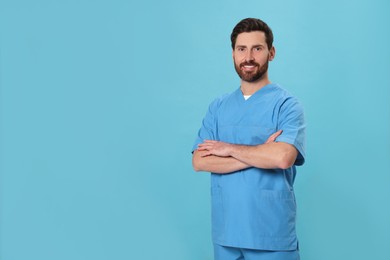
(248, 67)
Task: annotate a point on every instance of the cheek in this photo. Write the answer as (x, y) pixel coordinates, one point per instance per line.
(236, 61)
(238, 57)
(262, 58)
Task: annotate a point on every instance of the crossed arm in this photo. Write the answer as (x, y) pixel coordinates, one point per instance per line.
(220, 157)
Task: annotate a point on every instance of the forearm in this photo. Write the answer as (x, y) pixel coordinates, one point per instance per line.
(267, 156)
(270, 155)
(216, 164)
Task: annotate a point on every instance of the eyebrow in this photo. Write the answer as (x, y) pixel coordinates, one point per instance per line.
(254, 46)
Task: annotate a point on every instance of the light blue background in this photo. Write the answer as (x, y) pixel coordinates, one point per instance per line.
(101, 102)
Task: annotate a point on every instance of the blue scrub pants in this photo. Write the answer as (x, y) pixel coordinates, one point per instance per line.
(234, 253)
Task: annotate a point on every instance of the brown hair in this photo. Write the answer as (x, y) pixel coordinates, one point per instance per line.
(250, 25)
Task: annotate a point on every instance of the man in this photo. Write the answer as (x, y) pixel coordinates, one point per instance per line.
(251, 140)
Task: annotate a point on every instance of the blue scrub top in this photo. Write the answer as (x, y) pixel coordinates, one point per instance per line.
(255, 208)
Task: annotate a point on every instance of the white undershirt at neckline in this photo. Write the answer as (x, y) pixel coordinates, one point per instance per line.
(247, 96)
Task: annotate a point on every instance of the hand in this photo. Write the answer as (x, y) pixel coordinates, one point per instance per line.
(210, 147)
(273, 137)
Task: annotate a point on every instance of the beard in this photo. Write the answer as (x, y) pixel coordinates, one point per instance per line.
(251, 76)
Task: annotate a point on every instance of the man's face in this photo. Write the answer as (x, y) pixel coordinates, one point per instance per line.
(251, 56)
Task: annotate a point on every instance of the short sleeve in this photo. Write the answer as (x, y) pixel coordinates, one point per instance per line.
(292, 122)
(208, 127)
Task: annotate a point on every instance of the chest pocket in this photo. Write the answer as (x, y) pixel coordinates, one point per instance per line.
(246, 135)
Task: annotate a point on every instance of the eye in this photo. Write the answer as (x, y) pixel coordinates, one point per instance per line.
(240, 49)
(258, 49)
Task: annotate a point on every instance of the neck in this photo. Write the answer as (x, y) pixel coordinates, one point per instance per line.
(249, 88)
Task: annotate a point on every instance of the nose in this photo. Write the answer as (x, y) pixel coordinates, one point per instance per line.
(249, 56)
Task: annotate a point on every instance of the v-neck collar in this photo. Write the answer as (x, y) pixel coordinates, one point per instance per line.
(259, 92)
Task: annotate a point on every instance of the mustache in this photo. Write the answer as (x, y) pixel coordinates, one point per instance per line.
(252, 63)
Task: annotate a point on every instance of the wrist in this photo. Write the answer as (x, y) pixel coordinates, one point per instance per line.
(232, 149)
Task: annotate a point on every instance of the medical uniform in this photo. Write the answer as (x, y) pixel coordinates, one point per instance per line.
(255, 208)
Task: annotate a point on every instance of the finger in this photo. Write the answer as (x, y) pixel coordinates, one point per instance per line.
(273, 137)
(204, 145)
(270, 139)
(278, 133)
(205, 154)
(209, 141)
(202, 153)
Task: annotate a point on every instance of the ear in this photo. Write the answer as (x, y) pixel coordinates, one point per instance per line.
(272, 53)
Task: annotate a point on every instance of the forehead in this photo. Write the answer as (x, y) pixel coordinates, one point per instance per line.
(251, 38)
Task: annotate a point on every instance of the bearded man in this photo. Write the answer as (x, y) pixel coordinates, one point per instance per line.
(250, 141)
